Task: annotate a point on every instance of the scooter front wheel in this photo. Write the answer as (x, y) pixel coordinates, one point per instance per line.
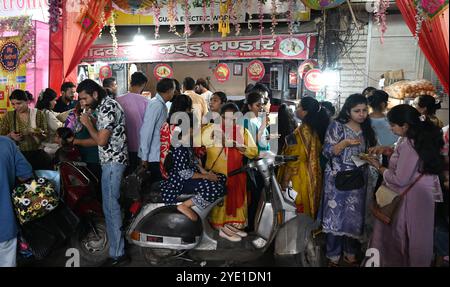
(158, 256)
(92, 241)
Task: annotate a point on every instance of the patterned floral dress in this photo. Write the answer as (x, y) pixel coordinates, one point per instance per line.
(343, 211)
(180, 181)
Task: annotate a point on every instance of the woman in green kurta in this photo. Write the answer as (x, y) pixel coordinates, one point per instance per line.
(28, 128)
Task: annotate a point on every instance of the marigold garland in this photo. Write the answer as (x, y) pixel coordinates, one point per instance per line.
(273, 10)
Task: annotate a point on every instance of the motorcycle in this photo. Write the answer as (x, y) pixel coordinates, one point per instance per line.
(78, 218)
(164, 234)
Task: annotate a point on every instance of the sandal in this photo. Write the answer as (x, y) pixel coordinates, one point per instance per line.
(353, 262)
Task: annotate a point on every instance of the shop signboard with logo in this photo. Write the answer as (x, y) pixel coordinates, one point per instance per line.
(12, 73)
(162, 71)
(222, 72)
(299, 47)
(314, 80)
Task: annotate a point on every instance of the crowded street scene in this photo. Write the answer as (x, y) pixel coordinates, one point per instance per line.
(224, 133)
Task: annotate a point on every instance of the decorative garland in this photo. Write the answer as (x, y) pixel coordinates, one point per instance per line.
(237, 25)
(273, 10)
(420, 18)
(103, 20)
(157, 13)
(113, 31)
(187, 15)
(54, 10)
(203, 15)
(261, 18)
(172, 13)
(380, 16)
(211, 15)
(249, 9)
(26, 37)
(290, 18)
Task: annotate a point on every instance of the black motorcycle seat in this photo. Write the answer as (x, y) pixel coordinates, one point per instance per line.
(154, 196)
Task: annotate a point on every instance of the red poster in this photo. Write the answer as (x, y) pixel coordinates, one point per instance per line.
(292, 79)
(2, 95)
(306, 66)
(314, 80)
(162, 71)
(222, 72)
(105, 72)
(280, 47)
(256, 70)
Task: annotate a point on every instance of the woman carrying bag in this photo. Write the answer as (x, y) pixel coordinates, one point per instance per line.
(28, 128)
(344, 196)
(413, 171)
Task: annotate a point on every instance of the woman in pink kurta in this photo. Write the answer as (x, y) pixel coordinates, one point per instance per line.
(408, 240)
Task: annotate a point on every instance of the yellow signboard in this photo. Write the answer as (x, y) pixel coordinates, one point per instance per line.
(123, 19)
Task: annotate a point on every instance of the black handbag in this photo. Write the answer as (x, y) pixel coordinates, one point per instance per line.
(349, 179)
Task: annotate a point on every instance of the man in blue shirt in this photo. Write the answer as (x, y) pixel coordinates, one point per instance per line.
(12, 164)
(155, 115)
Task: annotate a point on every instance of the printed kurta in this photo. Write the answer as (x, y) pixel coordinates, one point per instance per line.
(343, 211)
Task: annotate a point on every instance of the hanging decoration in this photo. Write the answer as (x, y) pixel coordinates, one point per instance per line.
(234, 10)
(322, 4)
(26, 33)
(104, 23)
(211, 15)
(380, 17)
(172, 15)
(427, 9)
(290, 18)
(261, 17)
(54, 10)
(113, 31)
(203, 15)
(224, 19)
(187, 28)
(222, 72)
(273, 10)
(431, 8)
(250, 17)
(133, 6)
(157, 13)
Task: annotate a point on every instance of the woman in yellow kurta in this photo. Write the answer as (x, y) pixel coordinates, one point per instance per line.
(223, 160)
(306, 143)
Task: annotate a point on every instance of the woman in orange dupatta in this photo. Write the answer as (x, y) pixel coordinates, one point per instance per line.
(306, 143)
(224, 159)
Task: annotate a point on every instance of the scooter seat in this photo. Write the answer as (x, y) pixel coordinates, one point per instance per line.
(154, 196)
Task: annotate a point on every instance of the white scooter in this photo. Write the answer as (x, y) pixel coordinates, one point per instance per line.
(163, 233)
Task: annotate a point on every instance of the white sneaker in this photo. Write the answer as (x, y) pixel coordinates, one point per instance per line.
(230, 236)
(236, 231)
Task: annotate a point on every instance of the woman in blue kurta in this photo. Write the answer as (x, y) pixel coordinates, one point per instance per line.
(343, 211)
(186, 176)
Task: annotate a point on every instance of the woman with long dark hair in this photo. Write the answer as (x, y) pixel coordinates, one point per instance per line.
(344, 210)
(46, 103)
(414, 163)
(254, 121)
(306, 143)
(286, 125)
(181, 103)
(428, 105)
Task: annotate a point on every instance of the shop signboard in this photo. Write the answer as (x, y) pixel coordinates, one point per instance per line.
(222, 72)
(314, 80)
(306, 66)
(162, 71)
(298, 47)
(12, 73)
(255, 70)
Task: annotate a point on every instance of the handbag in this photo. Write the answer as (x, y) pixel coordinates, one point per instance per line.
(387, 202)
(34, 198)
(349, 179)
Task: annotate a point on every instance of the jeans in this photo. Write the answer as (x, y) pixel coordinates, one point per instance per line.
(111, 178)
(8, 251)
(337, 244)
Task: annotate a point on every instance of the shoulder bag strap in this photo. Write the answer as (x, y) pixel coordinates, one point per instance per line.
(411, 186)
